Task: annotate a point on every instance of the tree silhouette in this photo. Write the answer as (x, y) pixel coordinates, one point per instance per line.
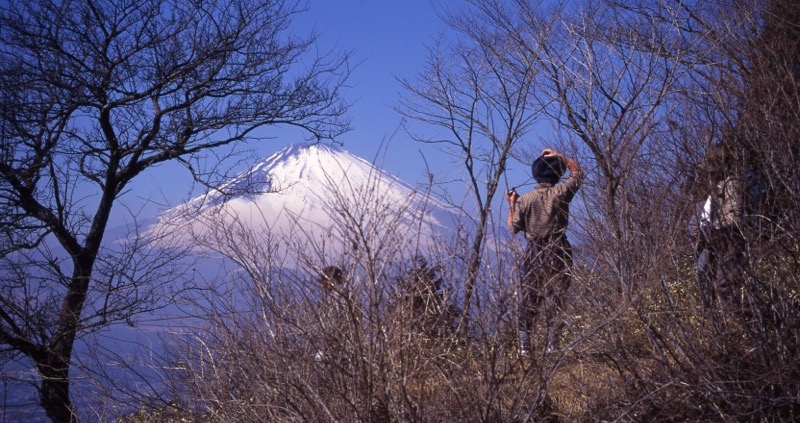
(94, 94)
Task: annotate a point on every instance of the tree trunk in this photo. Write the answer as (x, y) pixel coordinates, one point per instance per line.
(472, 273)
(55, 365)
(55, 391)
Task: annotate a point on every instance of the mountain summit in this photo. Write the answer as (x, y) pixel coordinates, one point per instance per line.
(309, 194)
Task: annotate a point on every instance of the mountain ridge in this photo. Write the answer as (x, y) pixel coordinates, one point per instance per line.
(315, 191)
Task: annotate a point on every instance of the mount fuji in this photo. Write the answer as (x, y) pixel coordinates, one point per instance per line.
(307, 203)
(309, 197)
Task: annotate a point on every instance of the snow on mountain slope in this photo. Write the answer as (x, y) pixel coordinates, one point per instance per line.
(311, 197)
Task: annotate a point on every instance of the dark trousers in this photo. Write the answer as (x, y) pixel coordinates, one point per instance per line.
(721, 266)
(544, 282)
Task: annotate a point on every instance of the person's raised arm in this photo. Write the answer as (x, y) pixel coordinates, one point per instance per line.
(572, 165)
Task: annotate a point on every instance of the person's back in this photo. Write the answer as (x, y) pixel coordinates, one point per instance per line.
(723, 268)
(544, 211)
(726, 204)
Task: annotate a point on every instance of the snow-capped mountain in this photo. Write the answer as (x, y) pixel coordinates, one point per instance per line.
(308, 198)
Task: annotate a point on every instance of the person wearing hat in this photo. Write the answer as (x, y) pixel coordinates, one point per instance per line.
(722, 269)
(542, 215)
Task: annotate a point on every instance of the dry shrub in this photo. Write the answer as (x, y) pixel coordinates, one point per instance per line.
(581, 388)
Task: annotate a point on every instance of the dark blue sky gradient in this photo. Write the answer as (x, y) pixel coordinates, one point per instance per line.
(388, 39)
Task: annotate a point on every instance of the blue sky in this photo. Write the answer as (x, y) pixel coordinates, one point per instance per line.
(388, 39)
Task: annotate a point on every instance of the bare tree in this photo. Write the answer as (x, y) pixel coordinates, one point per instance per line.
(750, 90)
(286, 342)
(640, 89)
(94, 93)
(484, 104)
(687, 76)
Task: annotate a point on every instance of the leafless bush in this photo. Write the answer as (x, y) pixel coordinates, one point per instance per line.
(93, 95)
(643, 89)
(367, 333)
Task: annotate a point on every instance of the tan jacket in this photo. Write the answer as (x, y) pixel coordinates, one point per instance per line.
(543, 213)
(726, 204)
